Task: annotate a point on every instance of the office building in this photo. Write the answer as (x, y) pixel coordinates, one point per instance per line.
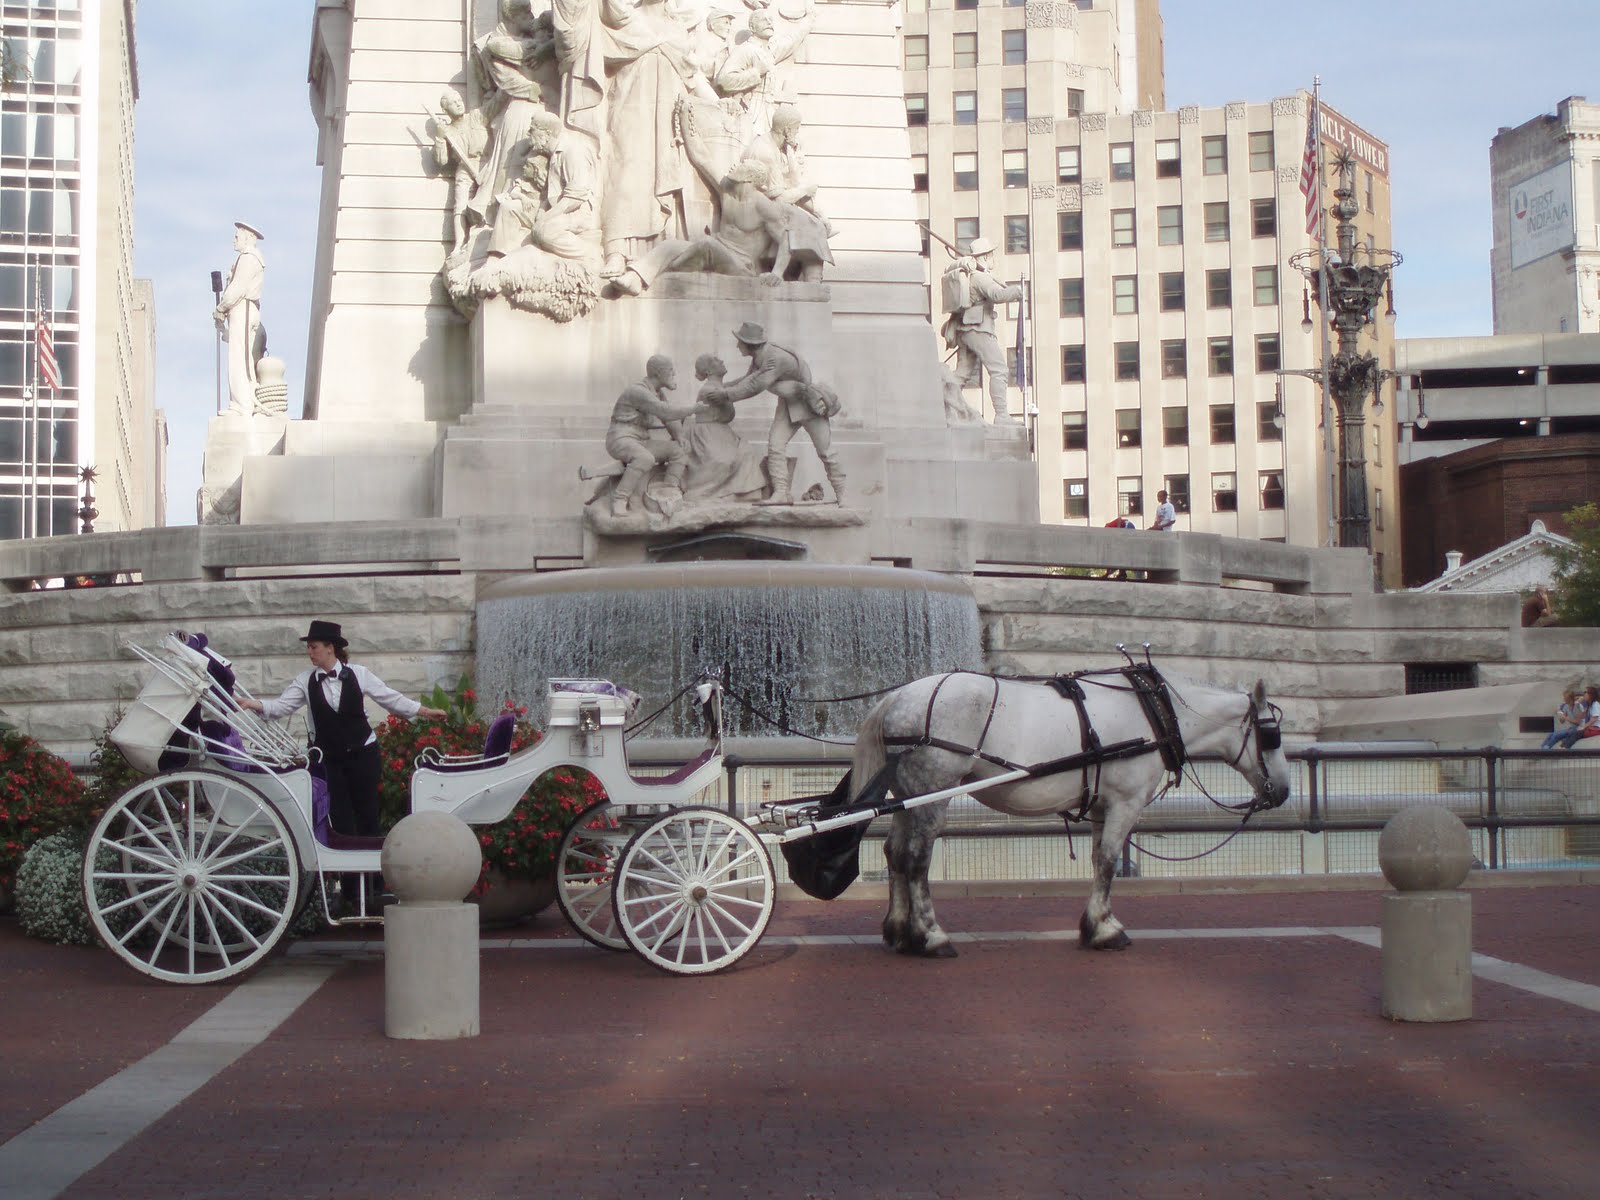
(66, 263)
(1157, 246)
(1545, 189)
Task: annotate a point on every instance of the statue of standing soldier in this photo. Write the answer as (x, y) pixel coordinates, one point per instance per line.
(238, 318)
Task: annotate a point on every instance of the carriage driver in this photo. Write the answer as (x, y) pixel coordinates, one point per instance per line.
(335, 690)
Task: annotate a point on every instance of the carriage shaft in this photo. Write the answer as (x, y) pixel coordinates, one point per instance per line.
(861, 815)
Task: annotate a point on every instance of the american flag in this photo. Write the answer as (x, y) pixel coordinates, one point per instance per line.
(45, 342)
(1309, 183)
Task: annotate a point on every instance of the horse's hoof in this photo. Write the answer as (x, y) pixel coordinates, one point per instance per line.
(1120, 942)
(942, 950)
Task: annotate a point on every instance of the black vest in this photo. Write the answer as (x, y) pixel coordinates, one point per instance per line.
(338, 734)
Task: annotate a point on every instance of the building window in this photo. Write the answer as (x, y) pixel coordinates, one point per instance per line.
(1172, 291)
(917, 109)
(1367, 175)
(1072, 297)
(1261, 151)
(1219, 288)
(1130, 496)
(1264, 218)
(1266, 285)
(1122, 227)
(1222, 433)
(1122, 160)
(1224, 492)
(919, 172)
(1016, 235)
(926, 239)
(1174, 358)
(1178, 491)
(1214, 152)
(1074, 431)
(1074, 102)
(1174, 428)
(1075, 498)
(1072, 364)
(1377, 513)
(966, 230)
(1169, 225)
(1269, 355)
(966, 4)
(1127, 359)
(1014, 104)
(1067, 165)
(1069, 230)
(1014, 46)
(1217, 221)
(1267, 429)
(965, 108)
(1124, 295)
(965, 53)
(916, 53)
(1168, 164)
(1271, 490)
(1016, 3)
(1219, 357)
(1128, 428)
(965, 168)
(1014, 168)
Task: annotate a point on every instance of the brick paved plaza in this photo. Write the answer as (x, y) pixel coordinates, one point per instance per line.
(1235, 1051)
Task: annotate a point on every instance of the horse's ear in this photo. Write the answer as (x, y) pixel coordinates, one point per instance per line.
(1260, 693)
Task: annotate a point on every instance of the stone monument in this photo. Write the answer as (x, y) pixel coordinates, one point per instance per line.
(635, 188)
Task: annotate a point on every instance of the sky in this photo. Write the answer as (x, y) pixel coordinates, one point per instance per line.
(225, 133)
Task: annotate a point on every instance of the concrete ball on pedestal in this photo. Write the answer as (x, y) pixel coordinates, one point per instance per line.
(1425, 849)
(431, 858)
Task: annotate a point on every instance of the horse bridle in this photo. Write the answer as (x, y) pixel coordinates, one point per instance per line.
(1269, 737)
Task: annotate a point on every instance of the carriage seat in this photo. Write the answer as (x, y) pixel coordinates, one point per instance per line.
(678, 776)
(496, 748)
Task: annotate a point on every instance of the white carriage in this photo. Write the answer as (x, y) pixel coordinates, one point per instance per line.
(198, 872)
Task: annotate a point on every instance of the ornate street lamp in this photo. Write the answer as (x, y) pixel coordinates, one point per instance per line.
(1348, 282)
(88, 512)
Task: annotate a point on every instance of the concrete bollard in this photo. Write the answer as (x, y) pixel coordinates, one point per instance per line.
(431, 860)
(1425, 853)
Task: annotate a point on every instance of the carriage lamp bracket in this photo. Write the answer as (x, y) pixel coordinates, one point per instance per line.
(588, 718)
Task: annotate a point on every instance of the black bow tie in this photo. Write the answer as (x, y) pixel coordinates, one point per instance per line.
(324, 676)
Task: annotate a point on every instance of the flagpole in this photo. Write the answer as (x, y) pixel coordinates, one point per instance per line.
(1328, 424)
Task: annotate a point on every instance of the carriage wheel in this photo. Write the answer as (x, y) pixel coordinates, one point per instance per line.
(191, 877)
(694, 891)
(586, 866)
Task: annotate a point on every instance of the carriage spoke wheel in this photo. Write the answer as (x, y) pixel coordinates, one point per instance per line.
(586, 867)
(191, 877)
(694, 891)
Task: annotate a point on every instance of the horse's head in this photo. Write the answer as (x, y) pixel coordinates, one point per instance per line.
(1260, 758)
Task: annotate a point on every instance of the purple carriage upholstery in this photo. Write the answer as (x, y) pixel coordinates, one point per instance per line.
(678, 776)
(496, 747)
(180, 749)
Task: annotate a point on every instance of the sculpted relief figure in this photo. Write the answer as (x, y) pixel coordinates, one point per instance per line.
(802, 404)
(970, 292)
(238, 318)
(746, 75)
(459, 140)
(507, 61)
(641, 408)
(721, 464)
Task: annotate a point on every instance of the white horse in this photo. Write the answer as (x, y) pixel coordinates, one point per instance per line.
(965, 728)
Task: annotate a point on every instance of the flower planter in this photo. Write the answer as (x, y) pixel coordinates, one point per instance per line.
(512, 901)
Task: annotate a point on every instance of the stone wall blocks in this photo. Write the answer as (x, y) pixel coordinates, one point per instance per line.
(16, 648)
(72, 643)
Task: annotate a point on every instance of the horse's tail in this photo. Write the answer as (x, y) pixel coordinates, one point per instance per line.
(870, 754)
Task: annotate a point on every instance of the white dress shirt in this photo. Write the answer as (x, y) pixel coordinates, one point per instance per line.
(298, 694)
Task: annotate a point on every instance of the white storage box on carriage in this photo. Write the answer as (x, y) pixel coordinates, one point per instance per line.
(570, 699)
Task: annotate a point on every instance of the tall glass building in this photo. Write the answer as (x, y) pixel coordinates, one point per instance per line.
(66, 263)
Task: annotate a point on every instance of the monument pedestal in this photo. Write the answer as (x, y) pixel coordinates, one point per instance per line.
(230, 439)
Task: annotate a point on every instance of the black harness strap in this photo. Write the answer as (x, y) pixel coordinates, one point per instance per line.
(1157, 704)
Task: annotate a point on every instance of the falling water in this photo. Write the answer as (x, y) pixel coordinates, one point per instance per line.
(791, 637)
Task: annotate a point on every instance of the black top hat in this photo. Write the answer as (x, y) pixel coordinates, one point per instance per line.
(326, 631)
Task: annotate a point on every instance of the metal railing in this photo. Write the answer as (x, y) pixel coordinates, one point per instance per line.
(1524, 809)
